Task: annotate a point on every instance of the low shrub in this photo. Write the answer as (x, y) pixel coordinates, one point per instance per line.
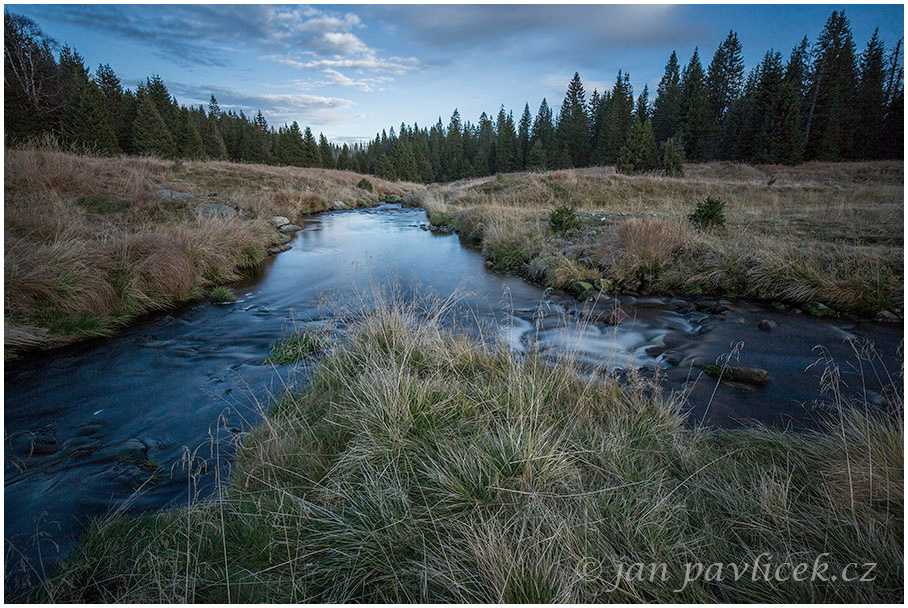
(563, 219)
(708, 214)
(364, 184)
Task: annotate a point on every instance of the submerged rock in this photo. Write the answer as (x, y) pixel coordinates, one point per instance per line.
(767, 325)
(745, 375)
(133, 450)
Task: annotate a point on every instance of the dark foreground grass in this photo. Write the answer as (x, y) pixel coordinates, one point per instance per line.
(418, 466)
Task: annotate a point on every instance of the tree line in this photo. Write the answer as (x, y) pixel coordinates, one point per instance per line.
(825, 102)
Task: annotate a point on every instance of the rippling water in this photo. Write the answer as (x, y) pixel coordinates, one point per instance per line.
(189, 381)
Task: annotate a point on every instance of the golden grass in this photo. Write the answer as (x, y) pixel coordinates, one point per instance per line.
(826, 232)
(417, 466)
(88, 246)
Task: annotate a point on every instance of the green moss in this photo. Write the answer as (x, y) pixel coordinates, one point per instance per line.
(104, 203)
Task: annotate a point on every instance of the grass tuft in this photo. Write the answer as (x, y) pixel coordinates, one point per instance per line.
(297, 347)
(222, 295)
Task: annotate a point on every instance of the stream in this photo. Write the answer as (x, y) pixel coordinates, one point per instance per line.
(120, 423)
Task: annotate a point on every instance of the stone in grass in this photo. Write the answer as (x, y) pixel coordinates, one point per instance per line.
(290, 228)
(745, 375)
(280, 220)
(818, 310)
(295, 348)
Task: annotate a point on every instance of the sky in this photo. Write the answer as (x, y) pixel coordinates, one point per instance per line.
(350, 71)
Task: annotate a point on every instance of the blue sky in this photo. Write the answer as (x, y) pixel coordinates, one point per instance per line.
(352, 70)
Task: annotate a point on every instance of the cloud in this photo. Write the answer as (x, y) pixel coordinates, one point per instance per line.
(536, 30)
(366, 62)
(209, 35)
(277, 108)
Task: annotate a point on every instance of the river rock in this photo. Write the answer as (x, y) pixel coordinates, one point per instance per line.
(745, 375)
(887, 317)
(408, 199)
(278, 249)
(217, 210)
(290, 228)
(280, 220)
(818, 310)
(767, 325)
(171, 195)
(707, 306)
(132, 450)
(338, 205)
(392, 198)
(616, 317)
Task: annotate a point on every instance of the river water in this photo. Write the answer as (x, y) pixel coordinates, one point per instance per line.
(108, 424)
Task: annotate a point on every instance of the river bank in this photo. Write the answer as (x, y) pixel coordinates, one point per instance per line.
(419, 466)
(825, 238)
(94, 242)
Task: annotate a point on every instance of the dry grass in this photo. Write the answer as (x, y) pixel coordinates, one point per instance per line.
(422, 467)
(88, 246)
(831, 233)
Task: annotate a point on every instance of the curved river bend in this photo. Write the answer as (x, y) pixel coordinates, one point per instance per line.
(107, 424)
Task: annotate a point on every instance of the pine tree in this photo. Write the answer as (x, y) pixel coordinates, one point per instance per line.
(523, 138)
(666, 110)
(189, 141)
(672, 159)
(85, 121)
(290, 146)
(215, 148)
(543, 133)
(829, 131)
(694, 110)
(506, 143)
(724, 80)
(573, 124)
(642, 109)
(618, 119)
(536, 160)
(311, 156)
(343, 159)
(639, 153)
(871, 100)
(150, 134)
(325, 153)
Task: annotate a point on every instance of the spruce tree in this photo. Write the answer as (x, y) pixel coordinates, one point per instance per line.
(724, 80)
(215, 148)
(672, 159)
(829, 130)
(543, 132)
(523, 138)
(536, 160)
(871, 100)
(189, 141)
(573, 124)
(694, 111)
(642, 109)
(506, 143)
(666, 110)
(311, 156)
(150, 134)
(639, 153)
(618, 119)
(325, 153)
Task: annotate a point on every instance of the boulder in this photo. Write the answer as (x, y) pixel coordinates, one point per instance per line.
(280, 220)
(392, 198)
(217, 210)
(337, 205)
(408, 199)
(171, 195)
(744, 375)
(290, 228)
(278, 249)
